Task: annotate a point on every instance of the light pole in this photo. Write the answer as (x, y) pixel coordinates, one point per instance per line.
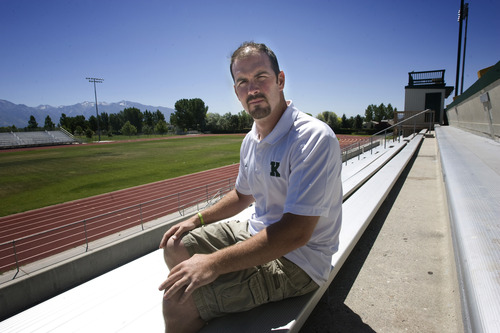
(466, 16)
(461, 17)
(96, 80)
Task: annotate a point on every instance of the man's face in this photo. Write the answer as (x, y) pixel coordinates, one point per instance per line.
(256, 85)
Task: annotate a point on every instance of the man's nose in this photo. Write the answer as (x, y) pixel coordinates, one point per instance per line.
(253, 88)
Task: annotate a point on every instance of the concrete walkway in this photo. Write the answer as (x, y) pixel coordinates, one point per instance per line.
(401, 276)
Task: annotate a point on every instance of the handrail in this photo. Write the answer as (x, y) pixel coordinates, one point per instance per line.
(71, 136)
(181, 206)
(398, 124)
(108, 213)
(221, 187)
(406, 119)
(208, 201)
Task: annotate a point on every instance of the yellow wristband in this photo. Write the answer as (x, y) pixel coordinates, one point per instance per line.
(201, 219)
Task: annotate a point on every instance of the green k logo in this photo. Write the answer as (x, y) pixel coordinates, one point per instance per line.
(274, 169)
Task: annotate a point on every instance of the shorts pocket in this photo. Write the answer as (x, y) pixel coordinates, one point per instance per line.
(245, 295)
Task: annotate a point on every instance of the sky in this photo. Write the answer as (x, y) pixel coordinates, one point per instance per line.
(338, 56)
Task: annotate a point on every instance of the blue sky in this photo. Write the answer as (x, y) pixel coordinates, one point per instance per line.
(337, 56)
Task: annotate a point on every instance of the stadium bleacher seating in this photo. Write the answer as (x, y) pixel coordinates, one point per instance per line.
(288, 315)
(34, 139)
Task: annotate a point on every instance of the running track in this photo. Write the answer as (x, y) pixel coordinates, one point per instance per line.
(157, 199)
(89, 219)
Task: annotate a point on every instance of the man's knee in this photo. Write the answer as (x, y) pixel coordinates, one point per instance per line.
(174, 252)
(181, 317)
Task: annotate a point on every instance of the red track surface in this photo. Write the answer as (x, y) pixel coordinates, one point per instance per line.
(156, 199)
(89, 219)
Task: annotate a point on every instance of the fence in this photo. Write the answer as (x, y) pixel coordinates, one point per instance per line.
(79, 235)
(406, 122)
(426, 78)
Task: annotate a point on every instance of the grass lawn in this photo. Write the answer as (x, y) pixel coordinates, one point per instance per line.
(43, 177)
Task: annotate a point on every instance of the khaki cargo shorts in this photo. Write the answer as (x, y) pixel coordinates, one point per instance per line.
(247, 289)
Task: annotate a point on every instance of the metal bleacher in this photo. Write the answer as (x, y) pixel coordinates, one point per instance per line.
(108, 298)
(35, 139)
(126, 299)
(471, 170)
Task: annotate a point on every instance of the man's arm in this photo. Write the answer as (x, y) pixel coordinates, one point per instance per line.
(291, 232)
(230, 205)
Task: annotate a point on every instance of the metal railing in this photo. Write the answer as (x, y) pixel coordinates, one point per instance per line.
(356, 149)
(426, 78)
(28, 249)
(78, 236)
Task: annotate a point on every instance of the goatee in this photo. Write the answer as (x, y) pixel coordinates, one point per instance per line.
(258, 112)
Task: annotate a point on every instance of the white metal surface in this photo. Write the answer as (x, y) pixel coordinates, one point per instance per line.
(471, 169)
(123, 300)
(127, 299)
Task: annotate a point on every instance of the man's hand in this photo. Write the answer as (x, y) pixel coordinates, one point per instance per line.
(177, 230)
(231, 204)
(189, 275)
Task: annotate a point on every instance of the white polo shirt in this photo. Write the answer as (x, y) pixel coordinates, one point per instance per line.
(296, 169)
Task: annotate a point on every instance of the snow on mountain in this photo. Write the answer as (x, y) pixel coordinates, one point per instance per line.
(19, 114)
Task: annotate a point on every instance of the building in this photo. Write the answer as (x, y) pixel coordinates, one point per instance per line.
(425, 91)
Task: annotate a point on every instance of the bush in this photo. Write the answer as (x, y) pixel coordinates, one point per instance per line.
(89, 133)
(128, 129)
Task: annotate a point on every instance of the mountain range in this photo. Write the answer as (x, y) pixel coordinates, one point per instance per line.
(19, 114)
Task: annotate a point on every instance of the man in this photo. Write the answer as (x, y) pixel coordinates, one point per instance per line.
(290, 167)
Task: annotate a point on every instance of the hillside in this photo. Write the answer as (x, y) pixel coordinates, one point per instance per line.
(19, 114)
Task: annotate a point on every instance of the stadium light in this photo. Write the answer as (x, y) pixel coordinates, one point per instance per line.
(466, 17)
(463, 15)
(96, 80)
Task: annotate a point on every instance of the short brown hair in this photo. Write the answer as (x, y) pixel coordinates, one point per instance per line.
(254, 47)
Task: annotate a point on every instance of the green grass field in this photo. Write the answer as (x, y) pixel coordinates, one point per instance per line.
(43, 177)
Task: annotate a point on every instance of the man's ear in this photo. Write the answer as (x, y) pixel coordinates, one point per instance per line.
(281, 80)
(235, 91)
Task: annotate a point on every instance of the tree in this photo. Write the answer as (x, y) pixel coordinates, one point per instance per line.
(158, 116)
(128, 129)
(347, 122)
(89, 133)
(153, 119)
(79, 121)
(331, 119)
(245, 121)
(358, 122)
(233, 123)
(161, 127)
(389, 112)
(146, 129)
(93, 123)
(64, 122)
(134, 116)
(116, 122)
(49, 125)
(370, 113)
(224, 122)
(32, 124)
(190, 114)
(104, 121)
(212, 121)
(229, 123)
(379, 113)
(78, 130)
(148, 120)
